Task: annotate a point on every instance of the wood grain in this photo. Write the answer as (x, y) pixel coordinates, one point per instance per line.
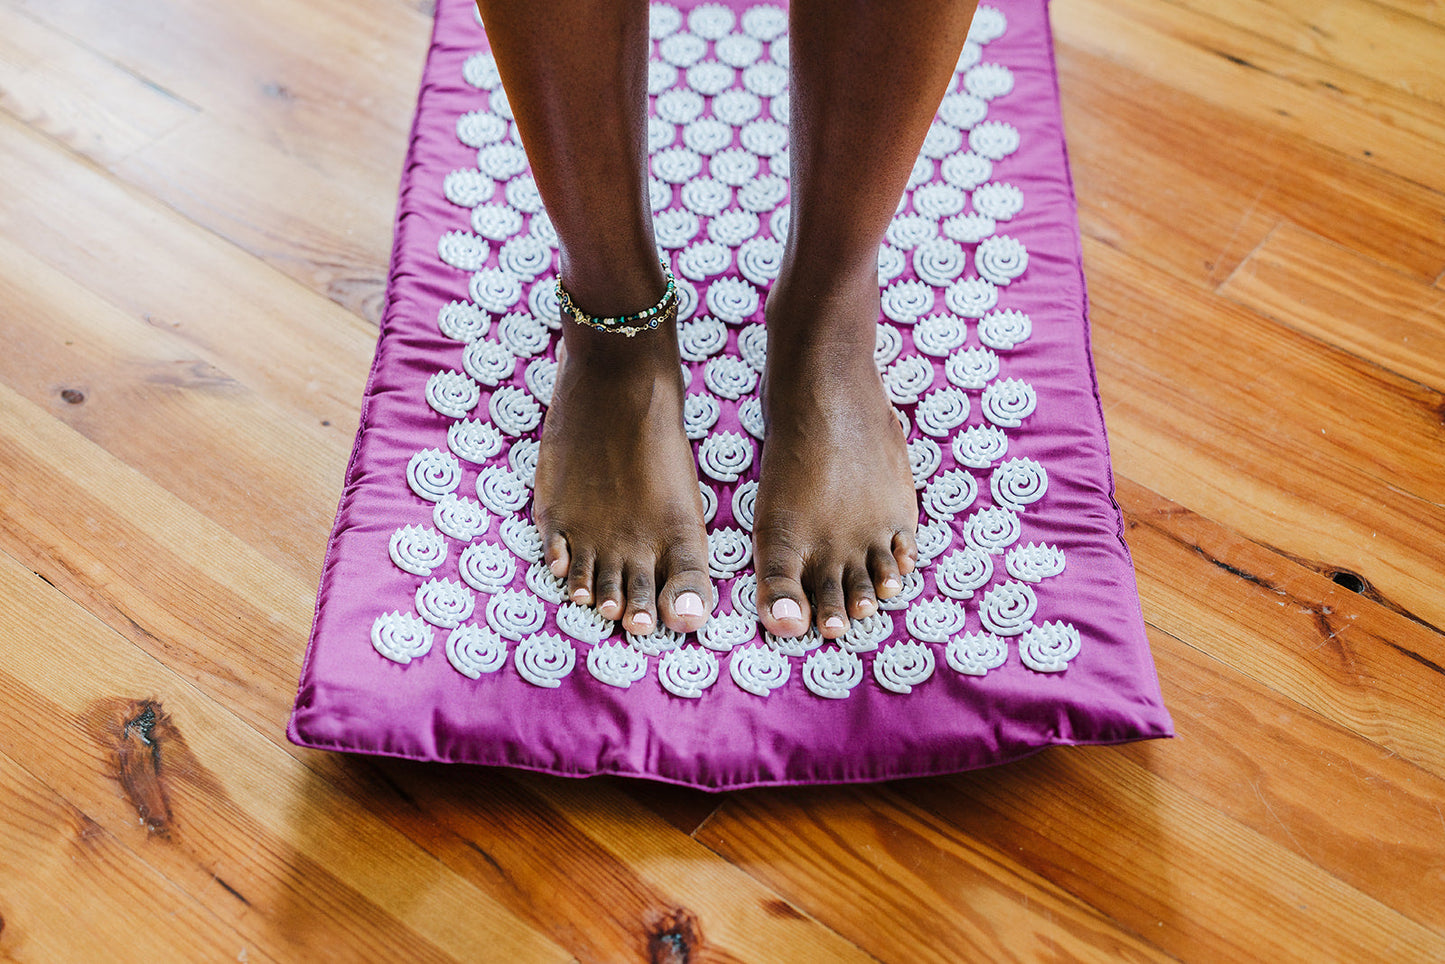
(330, 232)
(1396, 48)
(1170, 867)
(601, 876)
(1257, 78)
(223, 795)
(905, 885)
(60, 851)
(1347, 301)
(189, 561)
(165, 272)
(1236, 433)
(139, 394)
(97, 109)
(1349, 658)
(194, 228)
(1228, 180)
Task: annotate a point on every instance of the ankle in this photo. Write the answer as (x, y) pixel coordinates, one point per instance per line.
(620, 280)
(824, 274)
(647, 355)
(807, 314)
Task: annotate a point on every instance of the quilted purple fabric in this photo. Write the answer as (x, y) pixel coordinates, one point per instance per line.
(439, 635)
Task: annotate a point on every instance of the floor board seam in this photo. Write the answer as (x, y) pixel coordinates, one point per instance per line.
(1433, 106)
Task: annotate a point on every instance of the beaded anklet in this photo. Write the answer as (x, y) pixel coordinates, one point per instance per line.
(628, 325)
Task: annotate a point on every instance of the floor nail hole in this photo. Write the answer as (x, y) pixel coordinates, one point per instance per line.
(72, 395)
(1349, 580)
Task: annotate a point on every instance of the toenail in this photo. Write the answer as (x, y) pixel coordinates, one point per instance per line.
(786, 609)
(833, 622)
(892, 583)
(559, 569)
(688, 604)
(867, 607)
(642, 621)
(579, 594)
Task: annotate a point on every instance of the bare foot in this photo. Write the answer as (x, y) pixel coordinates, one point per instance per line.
(617, 498)
(836, 512)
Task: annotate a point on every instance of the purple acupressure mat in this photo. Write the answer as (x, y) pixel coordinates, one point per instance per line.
(440, 636)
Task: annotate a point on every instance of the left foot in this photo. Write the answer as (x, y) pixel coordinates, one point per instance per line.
(836, 512)
(617, 500)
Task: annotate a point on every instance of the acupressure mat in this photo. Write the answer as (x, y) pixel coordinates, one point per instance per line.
(440, 636)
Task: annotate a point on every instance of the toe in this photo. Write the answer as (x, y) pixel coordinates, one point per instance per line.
(608, 588)
(579, 578)
(687, 594)
(641, 615)
(829, 605)
(883, 567)
(905, 551)
(858, 587)
(556, 555)
(782, 605)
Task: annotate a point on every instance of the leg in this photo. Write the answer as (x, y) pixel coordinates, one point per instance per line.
(836, 511)
(617, 498)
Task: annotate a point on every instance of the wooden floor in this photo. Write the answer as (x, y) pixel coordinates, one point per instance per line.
(195, 219)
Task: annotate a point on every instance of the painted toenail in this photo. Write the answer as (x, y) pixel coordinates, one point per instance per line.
(688, 604)
(833, 622)
(642, 621)
(786, 609)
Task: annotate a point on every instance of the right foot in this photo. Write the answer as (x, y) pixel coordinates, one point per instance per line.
(836, 512)
(617, 498)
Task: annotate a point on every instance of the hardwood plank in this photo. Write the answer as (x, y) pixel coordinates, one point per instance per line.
(1194, 882)
(174, 577)
(683, 807)
(1347, 806)
(1286, 441)
(1324, 704)
(1123, 149)
(585, 864)
(1348, 658)
(308, 123)
(234, 800)
(179, 819)
(81, 99)
(330, 232)
(1431, 10)
(905, 885)
(302, 172)
(52, 855)
(1331, 798)
(176, 584)
(232, 311)
(1398, 49)
(316, 78)
(1350, 302)
(149, 400)
(1192, 186)
(1228, 67)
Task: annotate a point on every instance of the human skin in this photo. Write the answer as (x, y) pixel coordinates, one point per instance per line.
(617, 498)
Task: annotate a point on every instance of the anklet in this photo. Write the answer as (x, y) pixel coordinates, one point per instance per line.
(628, 325)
